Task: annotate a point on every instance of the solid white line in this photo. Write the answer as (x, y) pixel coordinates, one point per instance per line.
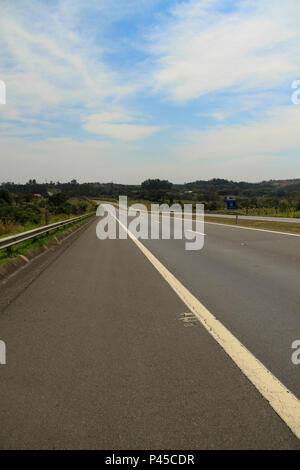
(263, 218)
(195, 231)
(251, 228)
(244, 228)
(282, 400)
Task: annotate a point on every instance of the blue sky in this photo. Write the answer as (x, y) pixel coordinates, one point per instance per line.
(123, 90)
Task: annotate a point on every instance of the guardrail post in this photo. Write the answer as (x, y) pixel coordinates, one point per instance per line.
(9, 251)
(46, 216)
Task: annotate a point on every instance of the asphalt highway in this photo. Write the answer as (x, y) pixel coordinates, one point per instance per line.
(100, 355)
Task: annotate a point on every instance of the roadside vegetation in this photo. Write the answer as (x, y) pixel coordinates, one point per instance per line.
(20, 211)
(26, 206)
(267, 198)
(24, 247)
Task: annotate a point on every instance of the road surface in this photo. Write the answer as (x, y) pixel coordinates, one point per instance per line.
(99, 355)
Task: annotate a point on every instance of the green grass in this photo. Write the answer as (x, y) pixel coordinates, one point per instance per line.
(8, 229)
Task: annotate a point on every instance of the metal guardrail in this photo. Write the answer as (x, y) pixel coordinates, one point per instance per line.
(292, 220)
(20, 237)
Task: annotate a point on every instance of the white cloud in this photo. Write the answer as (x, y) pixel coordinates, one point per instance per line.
(219, 116)
(54, 67)
(202, 50)
(278, 133)
(249, 153)
(50, 64)
(66, 158)
(59, 159)
(115, 124)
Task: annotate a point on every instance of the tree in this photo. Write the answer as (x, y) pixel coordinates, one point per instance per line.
(57, 199)
(156, 184)
(5, 197)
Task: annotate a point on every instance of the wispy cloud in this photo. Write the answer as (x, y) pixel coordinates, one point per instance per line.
(118, 125)
(141, 88)
(275, 134)
(204, 48)
(50, 65)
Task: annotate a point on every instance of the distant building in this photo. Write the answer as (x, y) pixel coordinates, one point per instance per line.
(37, 195)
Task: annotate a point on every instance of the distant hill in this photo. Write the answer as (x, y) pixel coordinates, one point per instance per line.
(276, 188)
(285, 182)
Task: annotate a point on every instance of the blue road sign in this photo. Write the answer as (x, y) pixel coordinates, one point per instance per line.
(231, 202)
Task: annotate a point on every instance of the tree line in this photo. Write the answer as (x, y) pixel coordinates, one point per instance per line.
(280, 195)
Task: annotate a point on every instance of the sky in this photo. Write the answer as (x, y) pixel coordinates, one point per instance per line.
(125, 90)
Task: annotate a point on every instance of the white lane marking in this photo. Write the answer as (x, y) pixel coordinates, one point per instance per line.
(282, 400)
(195, 231)
(251, 228)
(238, 226)
(162, 216)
